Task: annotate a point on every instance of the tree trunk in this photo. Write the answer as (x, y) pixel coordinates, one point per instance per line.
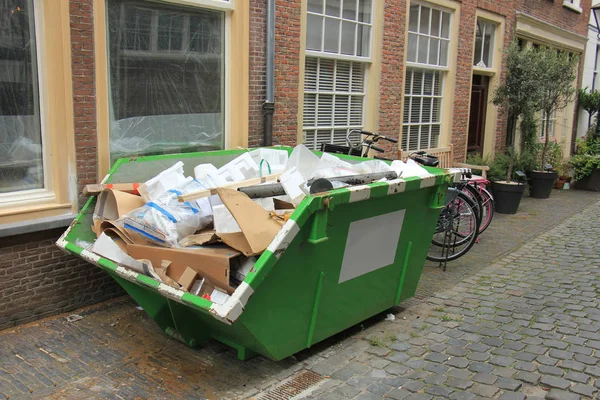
(546, 127)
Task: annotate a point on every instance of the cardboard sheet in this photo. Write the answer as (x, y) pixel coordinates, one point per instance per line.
(209, 262)
(204, 237)
(258, 228)
(111, 205)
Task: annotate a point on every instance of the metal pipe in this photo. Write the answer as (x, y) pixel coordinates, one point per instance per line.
(269, 104)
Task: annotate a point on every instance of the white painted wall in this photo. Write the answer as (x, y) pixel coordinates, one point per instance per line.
(588, 68)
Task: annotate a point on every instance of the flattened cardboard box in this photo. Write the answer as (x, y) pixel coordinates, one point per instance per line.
(210, 262)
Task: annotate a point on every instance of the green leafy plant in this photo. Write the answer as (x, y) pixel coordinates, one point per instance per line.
(557, 70)
(587, 155)
(590, 102)
(517, 94)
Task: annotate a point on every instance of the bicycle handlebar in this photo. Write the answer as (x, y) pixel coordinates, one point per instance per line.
(376, 136)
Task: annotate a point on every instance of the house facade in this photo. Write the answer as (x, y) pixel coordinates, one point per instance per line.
(84, 82)
(591, 67)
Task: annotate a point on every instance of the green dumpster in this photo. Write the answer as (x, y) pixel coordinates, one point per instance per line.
(344, 256)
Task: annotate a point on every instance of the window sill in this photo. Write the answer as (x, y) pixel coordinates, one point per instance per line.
(36, 225)
(484, 71)
(571, 6)
(22, 215)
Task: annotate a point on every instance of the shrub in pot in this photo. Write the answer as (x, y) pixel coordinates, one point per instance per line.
(586, 162)
(556, 72)
(507, 192)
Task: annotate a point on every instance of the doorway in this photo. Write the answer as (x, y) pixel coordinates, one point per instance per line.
(479, 98)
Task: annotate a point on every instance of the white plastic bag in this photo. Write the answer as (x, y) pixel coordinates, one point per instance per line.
(409, 169)
(208, 176)
(166, 220)
(270, 161)
(304, 160)
(168, 179)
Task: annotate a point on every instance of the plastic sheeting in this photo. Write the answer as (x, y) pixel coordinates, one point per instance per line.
(166, 78)
(20, 133)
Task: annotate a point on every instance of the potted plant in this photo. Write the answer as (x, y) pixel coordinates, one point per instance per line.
(586, 162)
(507, 191)
(556, 72)
(590, 102)
(517, 96)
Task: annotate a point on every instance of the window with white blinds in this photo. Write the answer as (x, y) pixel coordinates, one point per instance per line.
(334, 92)
(422, 108)
(427, 64)
(338, 51)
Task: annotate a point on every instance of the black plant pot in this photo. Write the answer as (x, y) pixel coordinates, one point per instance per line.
(541, 183)
(590, 182)
(507, 196)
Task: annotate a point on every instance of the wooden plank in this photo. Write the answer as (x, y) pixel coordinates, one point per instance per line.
(210, 192)
(94, 189)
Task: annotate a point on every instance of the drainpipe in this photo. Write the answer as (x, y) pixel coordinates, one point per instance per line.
(269, 104)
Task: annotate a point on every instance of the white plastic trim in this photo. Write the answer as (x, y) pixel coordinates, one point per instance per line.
(283, 238)
(359, 193)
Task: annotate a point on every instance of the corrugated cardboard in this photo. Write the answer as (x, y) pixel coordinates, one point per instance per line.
(210, 262)
(206, 236)
(113, 204)
(258, 228)
(187, 279)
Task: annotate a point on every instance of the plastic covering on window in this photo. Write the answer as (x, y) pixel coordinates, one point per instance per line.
(20, 134)
(166, 78)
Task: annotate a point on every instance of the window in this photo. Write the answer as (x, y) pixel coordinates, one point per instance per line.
(422, 103)
(595, 83)
(574, 5)
(21, 147)
(427, 56)
(552, 125)
(166, 78)
(484, 44)
(338, 51)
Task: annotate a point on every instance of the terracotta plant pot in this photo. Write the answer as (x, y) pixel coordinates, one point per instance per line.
(541, 183)
(559, 184)
(507, 196)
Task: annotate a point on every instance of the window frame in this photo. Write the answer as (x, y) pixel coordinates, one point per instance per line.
(368, 82)
(54, 79)
(447, 73)
(236, 73)
(492, 46)
(574, 5)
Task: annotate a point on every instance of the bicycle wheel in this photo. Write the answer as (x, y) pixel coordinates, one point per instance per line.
(467, 218)
(456, 230)
(487, 208)
(473, 193)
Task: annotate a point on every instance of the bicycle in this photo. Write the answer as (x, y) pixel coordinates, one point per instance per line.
(362, 149)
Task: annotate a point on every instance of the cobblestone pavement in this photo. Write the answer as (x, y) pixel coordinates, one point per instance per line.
(526, 325)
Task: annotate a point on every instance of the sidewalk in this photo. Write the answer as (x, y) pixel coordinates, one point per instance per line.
(529, 320)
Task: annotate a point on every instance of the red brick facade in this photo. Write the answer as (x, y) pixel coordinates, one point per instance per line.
(258, 37)
(38, 280)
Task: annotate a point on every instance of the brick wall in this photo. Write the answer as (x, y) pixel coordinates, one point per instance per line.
(392, 65)
(555, 13)
(258, 28)
(288, 14)
(37, 279)
(84, 92)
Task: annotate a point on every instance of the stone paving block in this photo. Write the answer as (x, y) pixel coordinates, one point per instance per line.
(512, 345)
(484, 378)
(533, 340)
(537, 350)
(359, 381)
(397, 369)
(556, 394)
(555, 382)
(509, 384)
(398, 394)
(413, 386)
(460, 395)
(439, 391)
(416, 351)
(581, 350)
(546, 369)
(594, 371)
(396, 381)
(480, 367)
(575, 376)
(478, 347)
(545, 360)
(438, 347)
(527, 377)
(347, 391)
(493, 341)
(502, 361)
(415, 363)
(437, 368)
(398, 357)
(436, 357)
(584, 390)
(379, 388)
(526, 366)
(456, 351)
(368, 396)
(557, 344)
(400, 346)
(419, 396)
(561, 354)
(343, 374)
(572, 365)
(377, 374)
(418, 375)
(586, 359)
(477, 356)
(486, 391)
